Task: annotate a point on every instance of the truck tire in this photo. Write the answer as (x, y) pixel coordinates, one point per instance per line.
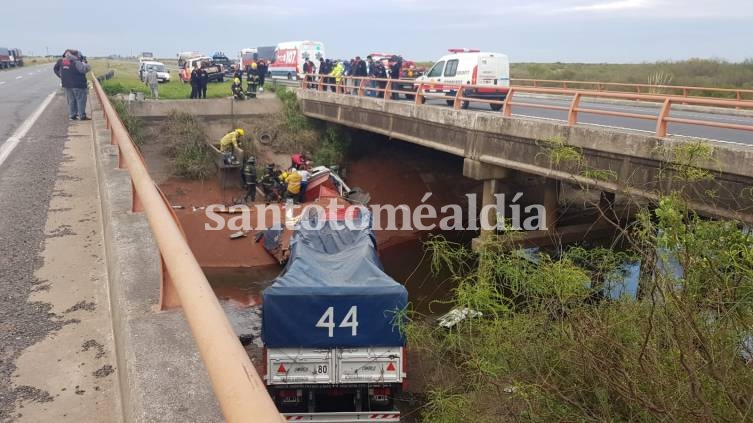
(450, 102)
(222, 78)
(496, 107)
(410, 96)
(290, 76)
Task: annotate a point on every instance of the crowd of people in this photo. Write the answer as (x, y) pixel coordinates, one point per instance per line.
(336, 72)
(277, 184)
(256, 74)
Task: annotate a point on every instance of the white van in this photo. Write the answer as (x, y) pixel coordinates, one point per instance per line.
(290, 57)
(473, 67)
(163, 75)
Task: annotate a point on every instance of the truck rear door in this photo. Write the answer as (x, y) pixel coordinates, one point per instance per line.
(493, 70)
(294, 366)
(370, 365)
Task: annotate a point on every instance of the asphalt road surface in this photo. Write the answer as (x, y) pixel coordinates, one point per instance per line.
(634, 124)
(49, 208)
(22, 90)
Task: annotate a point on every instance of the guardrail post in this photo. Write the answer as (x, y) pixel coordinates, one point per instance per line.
(420, 95)
(572, 116)
(507, 107)
(388, 90)
(136, 206)
(458, 98)
(661, 123)
(303, 81)
(362, 87)
(168, 296)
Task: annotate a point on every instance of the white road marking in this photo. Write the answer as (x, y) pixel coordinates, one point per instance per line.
(12, 142)
(19, 77)
(2, 82)
(30, 73)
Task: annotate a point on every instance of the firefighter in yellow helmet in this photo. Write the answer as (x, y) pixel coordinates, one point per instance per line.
(230, 140)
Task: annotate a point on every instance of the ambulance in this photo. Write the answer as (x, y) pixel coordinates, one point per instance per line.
(488, 72)
(290, 57)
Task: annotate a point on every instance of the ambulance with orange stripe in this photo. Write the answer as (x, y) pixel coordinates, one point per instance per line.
(487, 73)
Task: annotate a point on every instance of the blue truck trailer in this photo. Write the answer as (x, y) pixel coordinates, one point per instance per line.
(333, 348)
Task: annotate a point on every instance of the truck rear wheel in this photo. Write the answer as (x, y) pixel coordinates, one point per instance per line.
(410, 96)
(496, 107)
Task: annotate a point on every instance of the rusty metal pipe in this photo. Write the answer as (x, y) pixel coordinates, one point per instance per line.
(239, 389)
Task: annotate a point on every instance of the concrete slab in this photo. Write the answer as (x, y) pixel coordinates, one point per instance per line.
(162, 378)
(76, 364)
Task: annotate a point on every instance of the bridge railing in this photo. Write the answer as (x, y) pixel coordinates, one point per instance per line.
(460, 96)
(678, 90)
(239, 389)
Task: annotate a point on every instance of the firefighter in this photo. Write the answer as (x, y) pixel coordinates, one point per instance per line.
(249, 179)
(293, 184)
(237, 89)
(230, 140)
(253, 79)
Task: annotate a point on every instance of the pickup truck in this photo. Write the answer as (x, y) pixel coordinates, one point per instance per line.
(215, 71)
(332, 347)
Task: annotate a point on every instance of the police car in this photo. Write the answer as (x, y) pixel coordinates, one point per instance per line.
(489, 73)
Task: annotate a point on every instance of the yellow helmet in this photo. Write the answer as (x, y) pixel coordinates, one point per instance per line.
(240, 132)
(253, 65)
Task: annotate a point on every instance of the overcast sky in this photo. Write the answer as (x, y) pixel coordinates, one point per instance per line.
(526, 30)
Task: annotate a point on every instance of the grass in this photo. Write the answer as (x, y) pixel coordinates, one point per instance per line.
(692, 72)
(126, 80)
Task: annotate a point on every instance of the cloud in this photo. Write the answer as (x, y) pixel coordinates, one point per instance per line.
(610, 6)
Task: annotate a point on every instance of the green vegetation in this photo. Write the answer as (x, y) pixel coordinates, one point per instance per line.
(186, 142)
(693, 72)
(133, 124)
(126, 80)
(551, 346)
(327, 143)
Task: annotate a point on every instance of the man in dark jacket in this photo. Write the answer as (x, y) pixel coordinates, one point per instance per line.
(195, 77)
(359, 70)
(72, 69)
(262, 70)
(203, 81)
(396, 66)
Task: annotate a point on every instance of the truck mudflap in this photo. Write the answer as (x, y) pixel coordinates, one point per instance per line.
(371, 416)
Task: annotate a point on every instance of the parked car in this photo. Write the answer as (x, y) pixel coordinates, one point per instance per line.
(17, 58)
(4, 58)
(215, 72)
(163, 75)
(490, 72)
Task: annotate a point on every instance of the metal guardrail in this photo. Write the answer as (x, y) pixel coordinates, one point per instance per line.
(239, 389)
(349, 85)
(679, 90)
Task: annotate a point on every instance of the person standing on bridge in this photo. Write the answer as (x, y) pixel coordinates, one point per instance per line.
(72, 69)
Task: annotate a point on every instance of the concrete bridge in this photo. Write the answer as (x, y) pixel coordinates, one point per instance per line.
(615, 160)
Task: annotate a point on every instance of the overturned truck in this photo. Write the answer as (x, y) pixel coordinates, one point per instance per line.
(333, 349)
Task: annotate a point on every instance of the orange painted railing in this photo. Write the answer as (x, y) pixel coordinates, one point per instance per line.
(460, 99)
(679, 90)
(239, 389)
